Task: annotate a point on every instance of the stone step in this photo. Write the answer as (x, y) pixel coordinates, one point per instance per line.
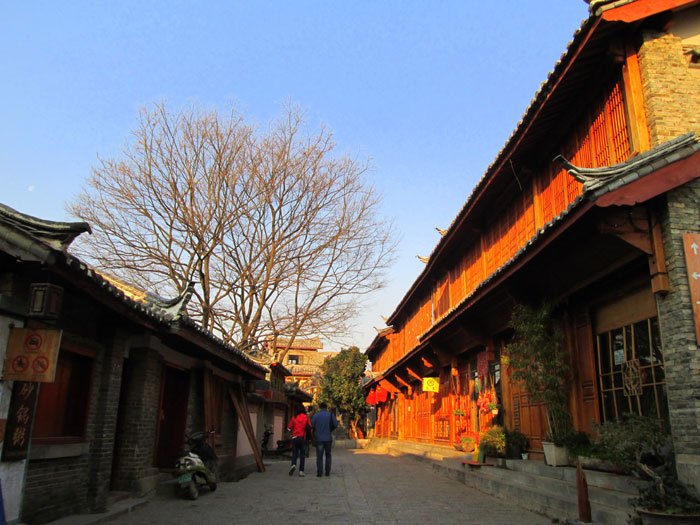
(593, 477)
(531, 483)
(601, 487)
(552, 497)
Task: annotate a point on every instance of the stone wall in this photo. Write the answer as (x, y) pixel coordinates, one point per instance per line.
(681, 353)
(671, 87)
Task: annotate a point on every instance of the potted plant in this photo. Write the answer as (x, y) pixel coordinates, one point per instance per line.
(540, 363)
(493, 407)
(642, 446)
(493, 442)
(516, 444)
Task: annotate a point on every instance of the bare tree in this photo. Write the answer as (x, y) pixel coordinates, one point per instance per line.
(281, 235)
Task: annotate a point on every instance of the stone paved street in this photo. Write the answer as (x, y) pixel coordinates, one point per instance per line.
(362, 488)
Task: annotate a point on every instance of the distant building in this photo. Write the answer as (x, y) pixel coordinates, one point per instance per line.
(303, 360)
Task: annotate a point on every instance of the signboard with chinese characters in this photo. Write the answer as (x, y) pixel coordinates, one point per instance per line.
(19, 421)
(31, 355)
(691, 247)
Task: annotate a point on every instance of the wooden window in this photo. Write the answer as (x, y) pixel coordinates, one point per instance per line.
(630, 367)
(294, 359)
(62, 408)
(442, 299)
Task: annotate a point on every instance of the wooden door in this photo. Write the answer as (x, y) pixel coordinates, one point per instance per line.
(175, 389)
(585, 395)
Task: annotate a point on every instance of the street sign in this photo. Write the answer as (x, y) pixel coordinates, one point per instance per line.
(31, 355)
(691, 247)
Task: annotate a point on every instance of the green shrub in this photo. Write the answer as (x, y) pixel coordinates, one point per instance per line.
(493, 441)
(643, 446)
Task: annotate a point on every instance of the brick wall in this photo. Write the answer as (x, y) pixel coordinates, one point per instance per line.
(60, 486)
(55, 488)
(108, 385)
(671, 87)
(140, 402)
(681, 352)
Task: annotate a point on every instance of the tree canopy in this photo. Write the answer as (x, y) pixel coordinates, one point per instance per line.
(340, 383)
(279, 233)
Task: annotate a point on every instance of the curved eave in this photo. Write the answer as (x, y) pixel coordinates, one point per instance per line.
(379, 342)
(57, 235)
(574, 69)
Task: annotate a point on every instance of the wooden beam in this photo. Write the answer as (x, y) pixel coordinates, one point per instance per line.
(443, 358)
(389, 386)
(402, 381)
(414, 374)
(657, 260)
(634, 95)
(429, 361)
(633, 11)
(244, 417)
(474, 333)
(406, 384)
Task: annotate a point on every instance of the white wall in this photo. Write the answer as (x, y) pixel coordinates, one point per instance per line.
(243, 447)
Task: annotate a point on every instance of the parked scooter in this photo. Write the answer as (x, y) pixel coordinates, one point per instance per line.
(197, 468)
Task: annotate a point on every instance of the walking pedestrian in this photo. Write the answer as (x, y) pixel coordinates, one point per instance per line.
(323, 423)
(297, 426)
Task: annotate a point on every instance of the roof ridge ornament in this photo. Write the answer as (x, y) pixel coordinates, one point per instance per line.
(55, 234)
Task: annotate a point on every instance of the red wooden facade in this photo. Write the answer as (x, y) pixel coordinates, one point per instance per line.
(528, 233)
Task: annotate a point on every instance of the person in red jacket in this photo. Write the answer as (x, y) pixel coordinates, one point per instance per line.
(297, 426)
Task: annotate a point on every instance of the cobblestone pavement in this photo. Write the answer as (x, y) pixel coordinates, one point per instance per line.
(362, 488)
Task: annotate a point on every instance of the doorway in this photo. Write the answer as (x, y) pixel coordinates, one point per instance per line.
(172, 416)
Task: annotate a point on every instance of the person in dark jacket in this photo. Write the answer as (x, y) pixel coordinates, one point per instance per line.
(323, 423)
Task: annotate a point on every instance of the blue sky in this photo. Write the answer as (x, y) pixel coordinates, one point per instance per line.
(430, 91)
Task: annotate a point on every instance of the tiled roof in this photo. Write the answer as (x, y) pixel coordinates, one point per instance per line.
(603, 180)
(298, 343)
(56, 236)
(521, 128)
(597, 182)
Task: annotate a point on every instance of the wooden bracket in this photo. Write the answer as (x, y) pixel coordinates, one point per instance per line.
(389, 385)
(414, 374)
(629, 225)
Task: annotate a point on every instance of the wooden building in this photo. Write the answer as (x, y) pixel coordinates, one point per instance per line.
(133, 375)
(593, 204)
(304, 360)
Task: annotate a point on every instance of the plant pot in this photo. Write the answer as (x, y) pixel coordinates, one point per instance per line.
(524, 455)
(650, 517)
(554, 455)
(494, 411)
